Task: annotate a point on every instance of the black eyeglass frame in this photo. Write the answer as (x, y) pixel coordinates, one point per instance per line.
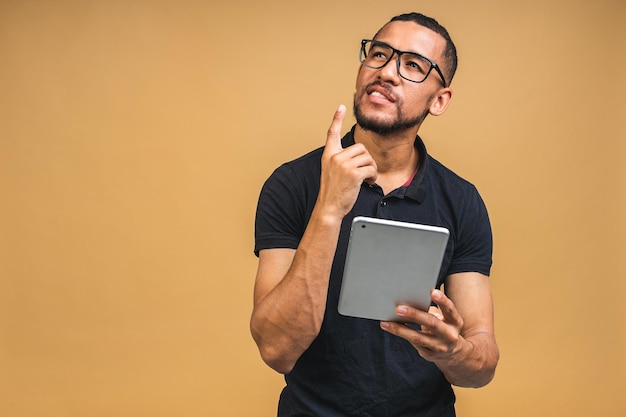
(395, 51)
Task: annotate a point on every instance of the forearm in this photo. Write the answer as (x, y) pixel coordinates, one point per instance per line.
(290, 300)
(288, 318)
(474, 365)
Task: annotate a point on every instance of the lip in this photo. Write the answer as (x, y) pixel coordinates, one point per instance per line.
(381, 93)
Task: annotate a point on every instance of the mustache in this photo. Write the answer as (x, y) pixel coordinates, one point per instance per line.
(384, 85)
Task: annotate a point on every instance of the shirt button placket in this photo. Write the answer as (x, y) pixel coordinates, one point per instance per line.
(382, 208)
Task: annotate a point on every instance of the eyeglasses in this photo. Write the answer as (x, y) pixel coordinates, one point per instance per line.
(411, 66)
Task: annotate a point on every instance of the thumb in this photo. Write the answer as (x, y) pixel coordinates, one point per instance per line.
(333, 137)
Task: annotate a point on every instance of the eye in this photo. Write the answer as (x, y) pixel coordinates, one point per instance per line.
(416, 64)
(412, 65)
(378, 53)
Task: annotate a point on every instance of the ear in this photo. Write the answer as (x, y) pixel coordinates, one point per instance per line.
(440, 101)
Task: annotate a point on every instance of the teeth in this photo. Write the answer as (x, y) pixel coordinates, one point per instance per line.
(377, 94)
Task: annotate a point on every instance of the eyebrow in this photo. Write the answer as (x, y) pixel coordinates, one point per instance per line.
(404, 52)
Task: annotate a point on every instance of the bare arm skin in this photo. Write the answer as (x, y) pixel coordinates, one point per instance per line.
(459, 337)
(291, 285)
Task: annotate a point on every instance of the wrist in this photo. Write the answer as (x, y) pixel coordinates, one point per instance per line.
(457, 355)
(326, 215)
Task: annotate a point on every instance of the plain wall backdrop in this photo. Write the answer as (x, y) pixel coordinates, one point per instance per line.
(135, 137)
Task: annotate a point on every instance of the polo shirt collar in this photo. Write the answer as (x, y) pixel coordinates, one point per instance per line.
(416, 190)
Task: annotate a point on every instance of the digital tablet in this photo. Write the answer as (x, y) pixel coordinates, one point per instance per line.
(390, 263)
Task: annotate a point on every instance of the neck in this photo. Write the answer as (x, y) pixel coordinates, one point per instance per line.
(396, 157)
(391, 153)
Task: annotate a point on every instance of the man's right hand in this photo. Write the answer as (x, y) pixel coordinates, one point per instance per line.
(343, 170)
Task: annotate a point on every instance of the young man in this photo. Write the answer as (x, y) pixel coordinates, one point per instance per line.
(342, 366)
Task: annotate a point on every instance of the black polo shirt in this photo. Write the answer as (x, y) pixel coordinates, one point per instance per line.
(353, 368)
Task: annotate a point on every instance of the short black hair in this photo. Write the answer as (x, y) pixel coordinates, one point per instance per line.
(430, 23)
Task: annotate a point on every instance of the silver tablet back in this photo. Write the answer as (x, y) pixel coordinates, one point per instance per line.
(390, 263)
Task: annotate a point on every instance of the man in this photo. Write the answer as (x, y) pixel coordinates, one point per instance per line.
(342, 366)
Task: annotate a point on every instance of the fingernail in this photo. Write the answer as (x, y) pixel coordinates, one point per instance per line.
(402, 310)
(384, 324)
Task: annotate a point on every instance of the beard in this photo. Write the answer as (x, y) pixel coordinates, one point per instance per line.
(386, 127)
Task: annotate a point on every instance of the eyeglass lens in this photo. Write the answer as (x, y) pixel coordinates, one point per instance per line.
(413, 67)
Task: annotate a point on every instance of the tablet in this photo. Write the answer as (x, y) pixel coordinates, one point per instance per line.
(390, 263)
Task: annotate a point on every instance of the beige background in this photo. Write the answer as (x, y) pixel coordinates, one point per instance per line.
(134, 139)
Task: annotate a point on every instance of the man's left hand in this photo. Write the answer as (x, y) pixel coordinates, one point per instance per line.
(440, 337)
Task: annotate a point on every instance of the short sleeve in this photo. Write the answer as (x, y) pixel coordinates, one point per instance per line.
(283, 209)
(474, 245)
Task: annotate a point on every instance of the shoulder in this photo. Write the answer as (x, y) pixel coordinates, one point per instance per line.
(286, 202)
(445, 173)
(308, 160)
(301, 167)
(448, 181)
(468, 215)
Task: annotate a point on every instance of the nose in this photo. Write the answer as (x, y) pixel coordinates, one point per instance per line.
(391, 70)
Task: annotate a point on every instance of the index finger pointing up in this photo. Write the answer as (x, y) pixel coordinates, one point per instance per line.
(333, 137)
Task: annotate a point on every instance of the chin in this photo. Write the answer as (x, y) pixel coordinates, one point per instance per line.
(385, 126)
(372, 120)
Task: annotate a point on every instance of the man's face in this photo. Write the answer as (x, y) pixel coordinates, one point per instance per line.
(386, 103)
